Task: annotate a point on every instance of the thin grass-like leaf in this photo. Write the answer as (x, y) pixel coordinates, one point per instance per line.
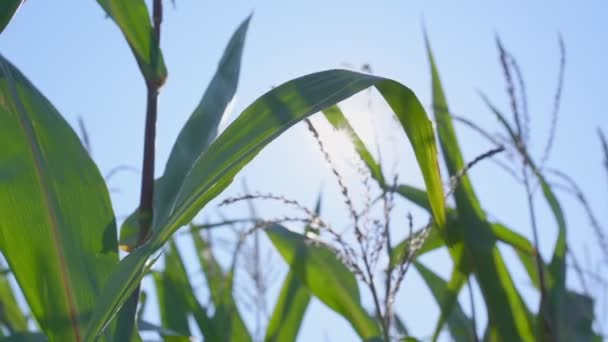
(171, 285)
(291, 305)
(508, 315)
(228, 325)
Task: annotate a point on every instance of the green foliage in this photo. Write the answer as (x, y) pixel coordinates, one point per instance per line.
(73, 242)
(292, 302)
(66, 264)
(318, 268)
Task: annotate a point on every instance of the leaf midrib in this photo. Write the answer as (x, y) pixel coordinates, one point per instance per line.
(43, 182)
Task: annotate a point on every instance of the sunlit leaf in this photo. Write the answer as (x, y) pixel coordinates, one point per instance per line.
(57, 228)
(523, 247)
(263, 121)
(337, 119)
(509, 317)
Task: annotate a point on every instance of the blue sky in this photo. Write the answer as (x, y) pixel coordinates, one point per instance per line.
(80, 61)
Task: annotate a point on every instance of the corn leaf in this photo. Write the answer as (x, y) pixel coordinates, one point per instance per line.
(453, 228)
(262, 122)
(446, 295)
(228, 325)
(197, 134)
(176, 297)
(556, 309)
(61, 246)
(133, 19)
(7, 10)
(202, 126)
(291, 305)
(11, 315)
(171, 284)
(509, 317)
(319, 269)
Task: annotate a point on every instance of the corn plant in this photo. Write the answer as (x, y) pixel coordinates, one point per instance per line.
(472, 239)
(58, 231)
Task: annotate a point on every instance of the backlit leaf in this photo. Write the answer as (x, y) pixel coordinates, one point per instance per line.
(57, 228)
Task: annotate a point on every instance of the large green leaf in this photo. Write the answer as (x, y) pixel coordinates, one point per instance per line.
(292, 303)
(195, 137)
(133, 19)
(7, 10)
(57, 228)
(326, 277)
(11, 315)
(263, 121)
(460, 326)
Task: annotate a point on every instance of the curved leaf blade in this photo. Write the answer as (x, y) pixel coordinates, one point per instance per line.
(195, 137)
(258, 125)
(7, 11)
(289, 311)
(57, 230)
(280, 109)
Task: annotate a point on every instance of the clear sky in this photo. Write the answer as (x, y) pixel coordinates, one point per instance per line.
(80, 61)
